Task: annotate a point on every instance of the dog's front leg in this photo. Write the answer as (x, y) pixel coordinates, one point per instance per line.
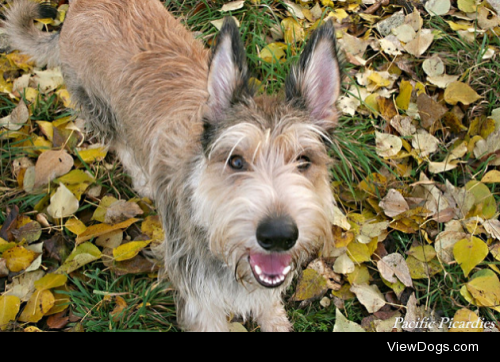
(274, 319)
(196, 317)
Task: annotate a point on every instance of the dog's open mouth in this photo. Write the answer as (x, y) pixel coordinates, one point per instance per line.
(270, 270)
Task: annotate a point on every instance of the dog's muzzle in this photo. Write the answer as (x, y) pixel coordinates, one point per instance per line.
(276, 235)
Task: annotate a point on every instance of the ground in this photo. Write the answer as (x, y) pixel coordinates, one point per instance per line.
(415, 177)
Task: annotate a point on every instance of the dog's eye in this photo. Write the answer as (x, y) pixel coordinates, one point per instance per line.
(304, 163)
(237, 163)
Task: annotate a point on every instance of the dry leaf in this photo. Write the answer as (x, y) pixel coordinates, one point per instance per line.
(342, 324)
(63, 203)
(9, 307)
(394, 204)
(369, 296)
(394, 266)
(50, 165)
(418, 46)
(438, 7)
(388, 145)
(469, 253)
(121, 211)
(460, 92)
(233, 5)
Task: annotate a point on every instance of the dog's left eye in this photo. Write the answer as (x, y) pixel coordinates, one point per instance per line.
(304, 163)
(237, 163)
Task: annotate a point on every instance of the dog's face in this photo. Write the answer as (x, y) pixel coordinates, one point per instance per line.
(262, 189)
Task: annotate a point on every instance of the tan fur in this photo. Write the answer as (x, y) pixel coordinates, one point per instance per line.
(142, 82)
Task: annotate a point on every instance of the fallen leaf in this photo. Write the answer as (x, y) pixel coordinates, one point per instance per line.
(23, 286)
(294, 9)
(491, 177)
(50, 165)
(9, 307)
(388, 145)
(438, 7)
(47, 80)
(394, 266)
(19, 258)
(469, 253)
(82, 255)
(111, 240)
(233, 5)
(129, 250)
(120, 307)
(424, 143)
(394, 204)
(51, 281)
(38, 305)
(30, 232)
(460, 92)
(424, 253)
(274, 53)
(422, 270)
(102, 229)
(75, 226)
(343, 265)
(369, 296)
(293, 31)
(311, 286)
(17, 119)
(485, 289)
(63, 203)
(434, 66)
(121, 211)
(466, 320)
(342, 324)
(418, 46)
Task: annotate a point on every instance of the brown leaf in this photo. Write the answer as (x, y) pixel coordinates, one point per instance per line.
(58, 321)
(394, 204)
(387, 108)
(430, 111)
(50, 165)
(10, 222)
(121, 211)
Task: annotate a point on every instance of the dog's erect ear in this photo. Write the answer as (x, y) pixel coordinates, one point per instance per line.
(315, 82)
(228, 76)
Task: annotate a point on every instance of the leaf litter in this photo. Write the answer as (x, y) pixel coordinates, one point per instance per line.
(437, 185)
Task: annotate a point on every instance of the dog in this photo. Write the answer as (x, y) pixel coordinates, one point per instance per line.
(241, 182)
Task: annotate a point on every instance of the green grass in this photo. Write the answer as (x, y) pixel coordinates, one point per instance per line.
(149, 304)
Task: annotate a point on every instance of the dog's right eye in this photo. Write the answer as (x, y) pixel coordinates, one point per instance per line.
(237, 163)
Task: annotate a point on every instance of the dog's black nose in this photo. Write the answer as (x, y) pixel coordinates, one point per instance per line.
(277, 233)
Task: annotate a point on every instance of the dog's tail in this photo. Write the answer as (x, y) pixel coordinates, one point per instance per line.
(43, 47)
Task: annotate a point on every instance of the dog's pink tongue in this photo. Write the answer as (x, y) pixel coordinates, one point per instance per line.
(271, 264)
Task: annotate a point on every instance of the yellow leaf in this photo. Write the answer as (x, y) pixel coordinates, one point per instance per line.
(65, 97)
(466, 321)
(469, 253)
(460, 92)
(311, 285)
(102, 229)
(9, 307)
(485, 205)
(129, 250)
(40, 303)
(121, 305)
(405, 91)
(51, 281)
(485, 289)
(75, 226)
(422, 270)
(274, 53)
(100, 212)
(153, 228)
(491, 177)
(359, 253)
(82, 255)
(19, 258)
(92, 155)
(293, 31)
(47, 129)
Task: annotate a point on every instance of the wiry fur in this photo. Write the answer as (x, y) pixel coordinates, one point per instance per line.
(175, 115)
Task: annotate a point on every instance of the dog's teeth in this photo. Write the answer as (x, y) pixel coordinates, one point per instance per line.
(258, 270)
(287, 270)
